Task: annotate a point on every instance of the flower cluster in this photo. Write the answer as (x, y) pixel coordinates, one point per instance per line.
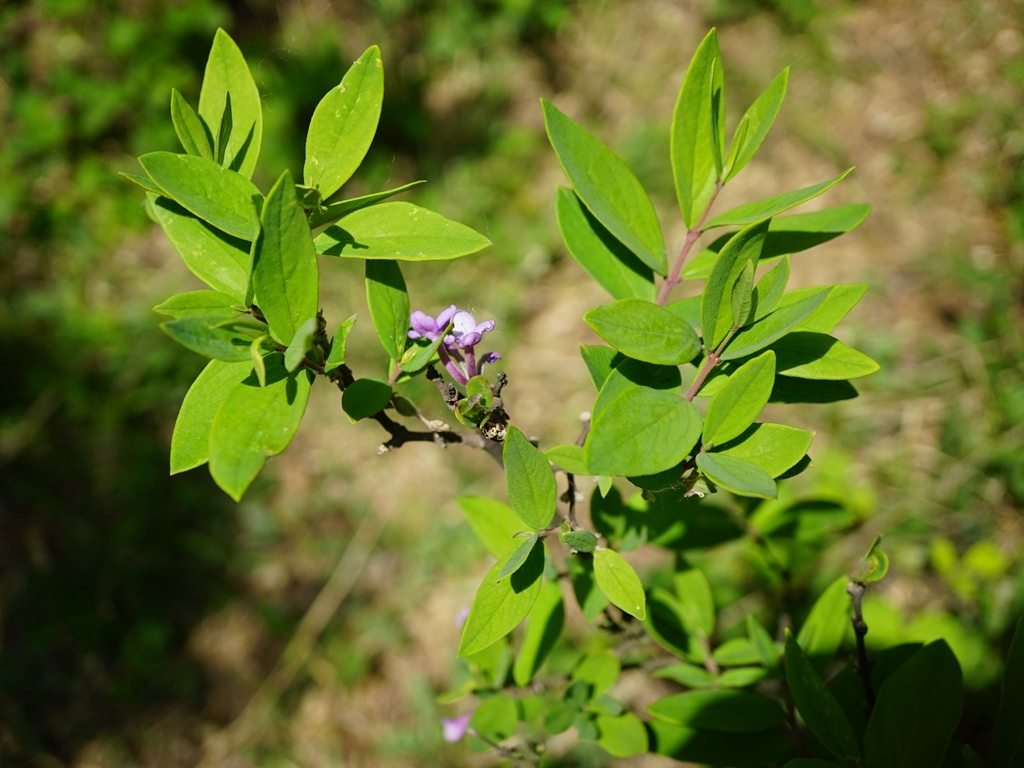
(461, 335)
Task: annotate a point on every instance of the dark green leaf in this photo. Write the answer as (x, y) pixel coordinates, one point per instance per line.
(741, 477)
(188, 126)
(735, 406)
(589, 597)
(755, 124)
(917, 711)
(792, 390)
(619, 582)
(389, 305)
(519, 556)
(772, 206)
(644, 331)
(499, 606)
(621, 736)
(285, 274)
(529, 481)
(775, 448)
(737, 750)
(828, 622)
(401, 231)
(719, 710)
(689, 675)
(494, 523)
(607, 187)
(190, 440)
(365, 397)
(1008, 736)
(199, 303)
(716, 312)
(608, 261)
(807, 355)
(224, 134)
(742, 295)
(543, 628)
(769, 329)
(328, 214)
(201, 334)
(226, 71)
(337, 353)
(301, 343)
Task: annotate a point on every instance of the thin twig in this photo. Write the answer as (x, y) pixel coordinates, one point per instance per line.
(691, 237)
(856, 590)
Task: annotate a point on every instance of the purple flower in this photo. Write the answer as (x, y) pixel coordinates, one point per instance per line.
(466, 332)
(461, 616)
(426, 327)
(455, 728)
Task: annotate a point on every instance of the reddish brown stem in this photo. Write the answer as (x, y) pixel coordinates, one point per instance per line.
(691, 237)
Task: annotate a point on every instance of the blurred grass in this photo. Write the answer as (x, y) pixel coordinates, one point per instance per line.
(140, 612)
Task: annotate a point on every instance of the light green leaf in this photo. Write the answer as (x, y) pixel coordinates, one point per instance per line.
(389, 305)
(775, 448)
(421, 352)
(336, 357)
(579, 540)
(640, 431)
(736, 652)
(568, 458)
(841, 299)
(190, 440)
(828, 622)
(529, 481)
(259, 366)
(302, 342)
(227, 72)
(619, 582)
(254, 423)
(543, 628)
(400, 231)
(496, 718)
(819, 356)
(763, 642)
(688, 309)
(770, 289)
(584, 586)
(219, 260)
(494, 523)
(199, 303)
(772, 206)
(715, 309)
(600, 362)
(742, 295)
(1008, 734)
(600, 669)
(188, 126)
(769, 329)
(818, 706)
(519, 556)
(201, 334)
(720, 710)
(605, 258)
(740, 400)
(755, 124)
(741, 677)
(145, 182)
(328, 214)
(217, 195)
(917, 710)
(621, 736)
(686, 674)
(285, 273)
(499, 606)
(343, 125)
(692, 152)
(736, 475)
(644, 331)
(696, 605)
(607, 187)
(365, 397)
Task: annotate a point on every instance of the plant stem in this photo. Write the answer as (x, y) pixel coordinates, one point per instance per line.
(856, 590)
(691, 237)
(713, 359)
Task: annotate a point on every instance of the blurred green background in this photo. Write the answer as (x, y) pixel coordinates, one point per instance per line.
(140, 613)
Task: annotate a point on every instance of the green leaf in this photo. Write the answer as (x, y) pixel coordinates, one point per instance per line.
(807, 355)
(737, 652)
(755, 124)
(874, 564)
(568, 458)
(190, 440)
(715, 310)
(735, 406)
(817, 705)
(199, 303)
(519, 556)
(227, 72)
(741, 677)
(793, 390)
(254, 423)
(828, 622)
(328, 214)
(775, 448)
(285, 273)
(692, 142)
(188, 126)
(336, 357)
(365, 397)
(741, 477)
(389, 305)
(301, 343)
(605, 258)
(619, 582)
(219, 260)
(401, 231)
(688, 309)
(772, 206)
(496, 718)
(607, 187)
(543, 628)
(787, 235)
(769, 329)
(917, 710)
(738, 750)
(143, 181)
(742, 295)
(343, 125)
(770, 289)
(686, 674)
(622, 736)
(717, 118)
(1008, 735)
(840, 300)
(499, 606)
(579, 540)
(584, 586)
(421, 352)
(696, 605)
(644, 331)
(217, 195)
(600, 669)
(259, 366)
(224, 134)
(811, 762)
(600, 362)
(201, 334)
(495, 524)
(719, 710)
(529, 481)
(640, 431)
